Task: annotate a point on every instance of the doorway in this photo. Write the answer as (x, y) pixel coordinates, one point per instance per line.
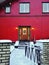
(24, 33)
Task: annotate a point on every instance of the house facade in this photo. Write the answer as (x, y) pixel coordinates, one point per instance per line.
(25, 20)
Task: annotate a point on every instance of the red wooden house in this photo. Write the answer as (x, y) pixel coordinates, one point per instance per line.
(24, 19)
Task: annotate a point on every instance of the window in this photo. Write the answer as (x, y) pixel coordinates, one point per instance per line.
(7, 9)
(24, 7)
(46, 7)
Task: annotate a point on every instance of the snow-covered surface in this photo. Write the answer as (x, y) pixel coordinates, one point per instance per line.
(11, 48)
(18, 57)
(3, 41)
(16, 43)
(31, 44)
(39, 44)
(1, 1)
(44, 40)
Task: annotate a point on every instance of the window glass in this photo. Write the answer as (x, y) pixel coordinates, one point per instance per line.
(24, 7)
(45, 7)
(7, 9)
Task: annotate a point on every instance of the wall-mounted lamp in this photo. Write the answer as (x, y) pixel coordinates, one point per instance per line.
(16, 28)
(32, 28)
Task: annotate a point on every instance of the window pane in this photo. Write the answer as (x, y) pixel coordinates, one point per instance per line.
(21, 7)
(24, 8)
(7, 9)
(48, 7)
(45, 7)
(27, 8)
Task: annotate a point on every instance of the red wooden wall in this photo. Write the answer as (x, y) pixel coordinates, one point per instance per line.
(36, 19)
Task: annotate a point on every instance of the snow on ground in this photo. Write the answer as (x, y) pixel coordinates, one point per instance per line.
(17, 57)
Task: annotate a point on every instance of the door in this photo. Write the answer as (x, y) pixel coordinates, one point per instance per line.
(24, 33)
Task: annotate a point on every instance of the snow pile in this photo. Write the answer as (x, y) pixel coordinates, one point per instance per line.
(31, 44)
(16, 43)
(3, 41)
(44, 40)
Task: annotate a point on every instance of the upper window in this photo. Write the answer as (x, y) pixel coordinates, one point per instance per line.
(24, 7)
(46, 7)
(7, 9)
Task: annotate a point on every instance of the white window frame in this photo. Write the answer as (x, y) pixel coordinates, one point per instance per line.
(45, 7)
(25, 5)
(7, 9)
